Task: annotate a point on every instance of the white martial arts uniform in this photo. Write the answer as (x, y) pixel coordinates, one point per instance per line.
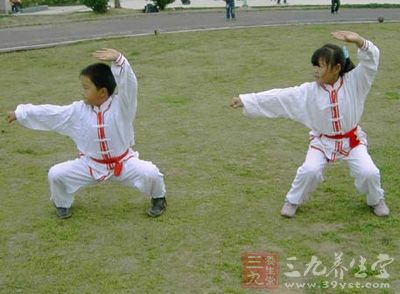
(328, 111)
(103, 134)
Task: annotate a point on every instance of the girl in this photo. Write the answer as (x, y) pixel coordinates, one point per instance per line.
(331, 107)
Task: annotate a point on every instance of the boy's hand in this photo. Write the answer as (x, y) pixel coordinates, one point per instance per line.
(106, 54)
(350, 37)
(236, 102)
(11, 116)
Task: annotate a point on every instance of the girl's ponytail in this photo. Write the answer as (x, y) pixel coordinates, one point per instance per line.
(348, 64)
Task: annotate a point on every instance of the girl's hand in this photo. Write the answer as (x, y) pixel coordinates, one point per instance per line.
(11, 116)
(236, 102)
(106, 54)
(350, 37)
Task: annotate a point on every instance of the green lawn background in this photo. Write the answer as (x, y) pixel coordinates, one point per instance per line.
(226, 175)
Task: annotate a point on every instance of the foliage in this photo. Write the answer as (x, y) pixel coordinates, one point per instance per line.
(372, 5)
(27, 3)
(98, 6)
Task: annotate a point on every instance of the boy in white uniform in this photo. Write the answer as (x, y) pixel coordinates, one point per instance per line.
(101, 127)
(331, 107)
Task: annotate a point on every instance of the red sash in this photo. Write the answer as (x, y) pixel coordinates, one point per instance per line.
(351, 135)
(113, 160)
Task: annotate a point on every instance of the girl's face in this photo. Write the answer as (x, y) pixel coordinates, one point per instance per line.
(325, 74)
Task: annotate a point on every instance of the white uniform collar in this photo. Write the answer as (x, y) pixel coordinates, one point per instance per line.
(335, 86)
(104, 106)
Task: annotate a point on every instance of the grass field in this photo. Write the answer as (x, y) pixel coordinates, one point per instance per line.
(226, 175)
(30, 20)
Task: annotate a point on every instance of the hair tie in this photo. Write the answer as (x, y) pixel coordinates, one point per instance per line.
(345, 52)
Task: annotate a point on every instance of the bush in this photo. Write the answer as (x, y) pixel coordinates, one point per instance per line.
(27, 3)
(161, 4)
(99, 6)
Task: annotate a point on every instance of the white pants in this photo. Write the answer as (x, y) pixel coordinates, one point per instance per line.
(366, 175)
(68, 177)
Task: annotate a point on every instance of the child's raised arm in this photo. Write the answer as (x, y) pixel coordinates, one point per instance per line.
(125, 79)
(349, 37)
(362, 76)
(106, 54)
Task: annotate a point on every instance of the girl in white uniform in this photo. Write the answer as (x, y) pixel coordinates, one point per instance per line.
(331, 107)
(101, 127)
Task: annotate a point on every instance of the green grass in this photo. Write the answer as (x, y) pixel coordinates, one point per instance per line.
(31, 20)
(226, 175)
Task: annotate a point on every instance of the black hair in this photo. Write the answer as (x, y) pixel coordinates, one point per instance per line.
(101, 76)
(332, 55)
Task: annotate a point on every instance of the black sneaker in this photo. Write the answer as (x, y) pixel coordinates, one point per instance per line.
(158, 206)
(63, 212)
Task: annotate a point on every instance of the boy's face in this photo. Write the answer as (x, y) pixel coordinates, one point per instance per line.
(91, 94)
(325, 74)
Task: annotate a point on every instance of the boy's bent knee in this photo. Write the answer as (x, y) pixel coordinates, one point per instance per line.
(151, 172)
(55, 173)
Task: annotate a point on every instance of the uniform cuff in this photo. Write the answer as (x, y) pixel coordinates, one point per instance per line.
(366, 45)
(120, 60)
(20, 114)
(249, 107)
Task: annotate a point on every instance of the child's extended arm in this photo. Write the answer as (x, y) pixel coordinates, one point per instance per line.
(11, 116)
(125, 78)
(44, 117)
(287, 102)
(236, 102)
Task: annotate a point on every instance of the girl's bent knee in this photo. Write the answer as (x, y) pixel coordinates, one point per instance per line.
(310, 170)
(370, 173)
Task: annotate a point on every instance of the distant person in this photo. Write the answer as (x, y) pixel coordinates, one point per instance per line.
(101, 126)
(230, 9)
(331, 107)
(16, 6)
(335, 6)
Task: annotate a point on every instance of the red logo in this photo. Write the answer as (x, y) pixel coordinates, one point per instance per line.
(260, 270)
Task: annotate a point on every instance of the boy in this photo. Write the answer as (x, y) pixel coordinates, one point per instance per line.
(101, 127)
